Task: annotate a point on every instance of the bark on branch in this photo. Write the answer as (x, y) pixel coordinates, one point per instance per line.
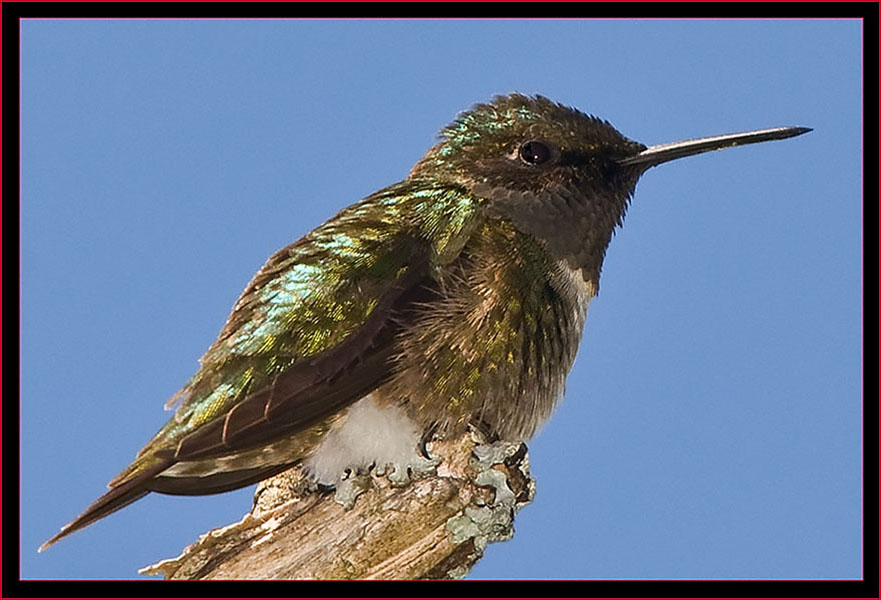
(436, 527)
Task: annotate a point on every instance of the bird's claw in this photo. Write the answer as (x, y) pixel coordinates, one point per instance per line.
(400, 475)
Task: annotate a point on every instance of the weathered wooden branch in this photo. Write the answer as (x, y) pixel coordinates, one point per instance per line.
(435, 527)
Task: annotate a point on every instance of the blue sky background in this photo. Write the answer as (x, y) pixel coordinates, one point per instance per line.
(712, 422)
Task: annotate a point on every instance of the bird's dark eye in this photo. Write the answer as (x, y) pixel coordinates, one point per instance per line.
(535, 152)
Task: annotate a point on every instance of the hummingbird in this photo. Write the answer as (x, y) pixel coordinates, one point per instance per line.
(456, 296)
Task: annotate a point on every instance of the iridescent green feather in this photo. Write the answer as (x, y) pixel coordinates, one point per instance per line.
(312, 294)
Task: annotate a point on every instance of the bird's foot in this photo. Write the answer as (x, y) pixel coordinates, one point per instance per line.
(401, 474)
(355, 482)
(350, 485)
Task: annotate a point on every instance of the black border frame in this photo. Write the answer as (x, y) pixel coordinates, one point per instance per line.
(13, 587)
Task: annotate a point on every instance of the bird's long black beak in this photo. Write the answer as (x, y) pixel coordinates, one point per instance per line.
(655, 155)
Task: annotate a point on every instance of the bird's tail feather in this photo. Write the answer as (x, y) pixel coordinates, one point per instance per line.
(118, 497)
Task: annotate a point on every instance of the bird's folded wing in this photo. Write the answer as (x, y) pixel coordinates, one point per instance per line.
(319, 385)
(315, 328)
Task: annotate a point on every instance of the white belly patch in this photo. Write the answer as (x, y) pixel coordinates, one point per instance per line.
(368, 435)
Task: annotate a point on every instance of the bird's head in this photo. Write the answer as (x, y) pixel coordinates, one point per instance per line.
(556, 173)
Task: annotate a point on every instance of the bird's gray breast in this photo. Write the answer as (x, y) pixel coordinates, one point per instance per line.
(576, 224)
